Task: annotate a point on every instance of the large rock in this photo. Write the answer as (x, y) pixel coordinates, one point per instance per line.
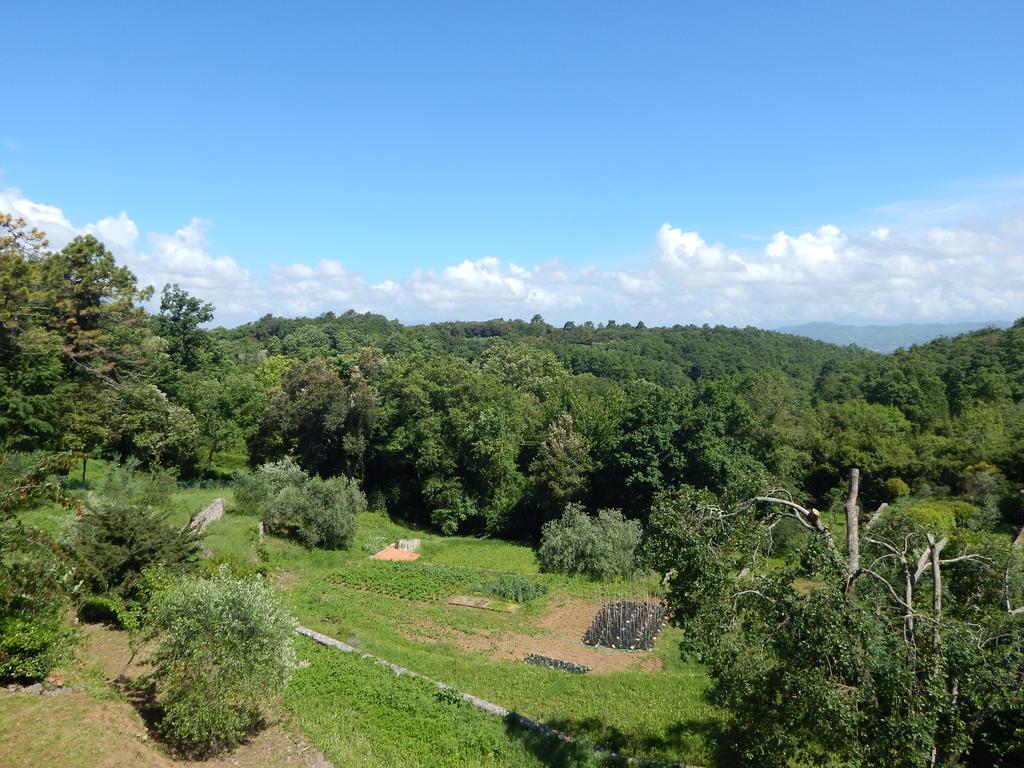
(202, 519)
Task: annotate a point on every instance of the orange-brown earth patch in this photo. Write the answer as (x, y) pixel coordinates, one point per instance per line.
(392, 552)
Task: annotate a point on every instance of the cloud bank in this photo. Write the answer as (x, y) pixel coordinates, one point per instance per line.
(897, 271)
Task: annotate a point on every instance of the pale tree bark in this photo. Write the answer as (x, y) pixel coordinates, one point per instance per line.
(853, 525)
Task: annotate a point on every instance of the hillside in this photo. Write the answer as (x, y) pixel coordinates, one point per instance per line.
(886, 338)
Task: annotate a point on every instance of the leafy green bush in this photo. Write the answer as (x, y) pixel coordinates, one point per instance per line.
(223, 651)
(124, 483)
(321, 512)
(34, 583)
(119, 541)
(513, 587)
(253, 490)
(896, 489)
(941, 516)
(600, 548)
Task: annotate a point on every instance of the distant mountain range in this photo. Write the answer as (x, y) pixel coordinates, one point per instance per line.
(886, 338)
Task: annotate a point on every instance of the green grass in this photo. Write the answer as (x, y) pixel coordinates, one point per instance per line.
(360, 714)
(660, 715)
(483, 553)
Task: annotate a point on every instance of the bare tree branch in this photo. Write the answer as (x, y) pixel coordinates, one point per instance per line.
(876, 516)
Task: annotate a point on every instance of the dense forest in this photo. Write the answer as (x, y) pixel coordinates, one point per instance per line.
(700, 453)
(492, 427)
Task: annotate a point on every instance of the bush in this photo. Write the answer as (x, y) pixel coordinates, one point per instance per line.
(253, 490)
(320, 513)
(512, 587)
(34, 582)
(600, 548)
(896, 489)
(123, 483)
(223, 650)
(942, 516)
(119, 542)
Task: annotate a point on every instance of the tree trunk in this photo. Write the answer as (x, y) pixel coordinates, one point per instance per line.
(936, 548)
(853, 525)
(85, 460)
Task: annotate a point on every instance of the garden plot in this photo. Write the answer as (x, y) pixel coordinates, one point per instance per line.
(626, 625)
(424, 582)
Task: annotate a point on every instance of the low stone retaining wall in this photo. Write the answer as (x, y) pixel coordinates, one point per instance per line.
(565, 666)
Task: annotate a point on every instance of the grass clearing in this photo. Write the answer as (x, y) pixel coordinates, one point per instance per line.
(647, 705)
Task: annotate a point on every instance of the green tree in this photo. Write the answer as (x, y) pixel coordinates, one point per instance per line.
(901, 650)
(222, 652)
(119, 541)
(323, 418)
(179, 322)
(449, 444)
(94, 307)
(560, 470)
(31, 385)
(36, 574)
(600, 548)
(145, 424)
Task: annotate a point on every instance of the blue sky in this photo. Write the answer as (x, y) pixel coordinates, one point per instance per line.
(437, 160)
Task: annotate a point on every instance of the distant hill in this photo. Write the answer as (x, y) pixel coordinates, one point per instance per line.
(886, 338)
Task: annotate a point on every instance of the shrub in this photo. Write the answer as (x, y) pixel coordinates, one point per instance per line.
(253, 490)
(942, 516)
(600, 548)
(896, 489)
(119, 541)
(223, 650)
(513, 587)
(33, 585)
(123, 483)
(322, 513)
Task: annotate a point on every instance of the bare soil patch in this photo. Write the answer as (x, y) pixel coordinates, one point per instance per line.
(558, 634)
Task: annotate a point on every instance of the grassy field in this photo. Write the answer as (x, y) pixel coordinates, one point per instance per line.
(645, 704)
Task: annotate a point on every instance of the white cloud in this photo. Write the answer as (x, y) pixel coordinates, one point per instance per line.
(182, 257)
(900, 271)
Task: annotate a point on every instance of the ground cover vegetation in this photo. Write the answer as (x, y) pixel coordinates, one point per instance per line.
(544, 466)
